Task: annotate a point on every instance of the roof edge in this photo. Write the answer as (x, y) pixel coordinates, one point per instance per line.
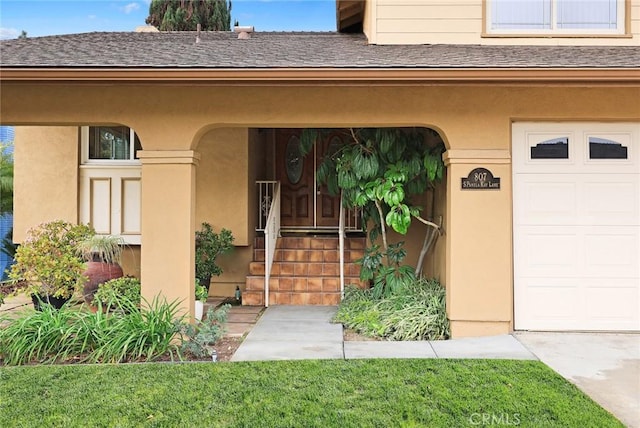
(319, 75)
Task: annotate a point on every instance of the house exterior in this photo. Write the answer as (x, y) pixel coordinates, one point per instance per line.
(538, 107)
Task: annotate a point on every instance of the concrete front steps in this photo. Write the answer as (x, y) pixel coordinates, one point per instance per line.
(306, 271)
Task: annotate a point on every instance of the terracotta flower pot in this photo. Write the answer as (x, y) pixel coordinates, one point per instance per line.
(98, 273)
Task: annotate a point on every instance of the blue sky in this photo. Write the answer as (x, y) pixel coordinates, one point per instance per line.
(48, 17)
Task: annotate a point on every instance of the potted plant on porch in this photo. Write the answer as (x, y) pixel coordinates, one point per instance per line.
(103, 254)
(209, 245)
(201, 298)
(48, 265)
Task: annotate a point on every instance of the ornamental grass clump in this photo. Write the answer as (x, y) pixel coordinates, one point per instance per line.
(414, 312)
(44, 336)
(140, 332)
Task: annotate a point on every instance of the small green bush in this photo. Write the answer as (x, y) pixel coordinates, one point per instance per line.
(115, 291)
(198, 338)
(48, 262)
(201, 291)
(414, 312)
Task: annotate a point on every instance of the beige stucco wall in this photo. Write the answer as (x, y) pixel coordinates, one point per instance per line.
(231, 160)
(473, 120)
(131, 260)
(45, 177)
(463, 22)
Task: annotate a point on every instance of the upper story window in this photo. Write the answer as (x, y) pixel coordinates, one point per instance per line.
(109, 145)
(562, 17)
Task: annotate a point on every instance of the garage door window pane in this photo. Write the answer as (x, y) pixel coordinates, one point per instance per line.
(601, 148)
(557, 148)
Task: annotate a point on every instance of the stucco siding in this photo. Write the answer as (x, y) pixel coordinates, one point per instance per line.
(474, 120)
(463, 22)
(222, 198)
(45, 176)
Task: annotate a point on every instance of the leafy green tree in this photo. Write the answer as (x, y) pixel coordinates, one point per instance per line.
(6, 180)
(185, 15)
(380, 170)
(23, 35)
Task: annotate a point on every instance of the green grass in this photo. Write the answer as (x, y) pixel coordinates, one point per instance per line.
(354, 393)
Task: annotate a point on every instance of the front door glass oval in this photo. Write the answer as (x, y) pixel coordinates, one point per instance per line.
(294, 160)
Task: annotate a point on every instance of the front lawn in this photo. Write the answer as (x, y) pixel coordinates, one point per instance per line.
(337, 393)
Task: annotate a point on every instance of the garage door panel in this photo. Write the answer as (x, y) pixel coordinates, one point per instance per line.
(612, 200)
(611, 252)
(612, 303)
(551, 302)
(549, 251)
(576, 225)
(546, 201)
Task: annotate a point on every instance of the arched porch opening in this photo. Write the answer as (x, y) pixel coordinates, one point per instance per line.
(233, 161)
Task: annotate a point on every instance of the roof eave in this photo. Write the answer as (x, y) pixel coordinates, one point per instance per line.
(322, 75)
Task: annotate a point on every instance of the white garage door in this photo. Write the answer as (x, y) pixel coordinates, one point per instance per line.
(576, 225)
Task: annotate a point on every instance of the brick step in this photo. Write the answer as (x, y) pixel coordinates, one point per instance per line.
(255, 298)
(287, 255)
(256, 268)
(303, 298)
(315, 242)
(300, 284)
(305, 268)
(330, 244)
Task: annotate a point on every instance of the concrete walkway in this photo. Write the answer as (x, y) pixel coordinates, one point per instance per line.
(306, 332)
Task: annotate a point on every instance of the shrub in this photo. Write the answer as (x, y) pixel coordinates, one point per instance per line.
(198, 338)
(113, 293)
(209, 245)
(48, 262)
(414, 312)
(201, 291)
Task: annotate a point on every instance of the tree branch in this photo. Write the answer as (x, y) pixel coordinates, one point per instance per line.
(382, 227)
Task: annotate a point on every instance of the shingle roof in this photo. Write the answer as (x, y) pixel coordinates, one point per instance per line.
(291, 50)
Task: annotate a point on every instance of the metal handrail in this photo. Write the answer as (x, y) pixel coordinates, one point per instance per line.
(266, 191)
(271, 233)
(341, 227)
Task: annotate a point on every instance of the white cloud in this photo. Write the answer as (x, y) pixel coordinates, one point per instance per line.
(130, 7)
(92, 16)
(8, 33)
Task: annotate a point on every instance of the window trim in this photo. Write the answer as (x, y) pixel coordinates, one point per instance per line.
(623, 30)
(84, 149)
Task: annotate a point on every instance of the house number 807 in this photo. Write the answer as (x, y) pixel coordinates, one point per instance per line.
(480, 176)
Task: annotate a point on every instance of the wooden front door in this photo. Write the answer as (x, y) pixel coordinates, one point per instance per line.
(304, 204)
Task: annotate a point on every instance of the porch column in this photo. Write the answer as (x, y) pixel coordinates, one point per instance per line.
(168, 225)
(478, 244)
